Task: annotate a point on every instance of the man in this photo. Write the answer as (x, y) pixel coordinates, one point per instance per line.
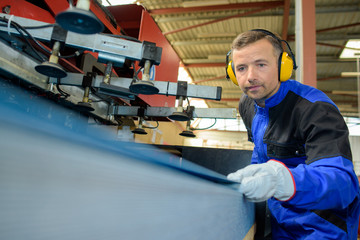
(302, 161)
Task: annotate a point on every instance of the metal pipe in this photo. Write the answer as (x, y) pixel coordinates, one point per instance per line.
(146, 74)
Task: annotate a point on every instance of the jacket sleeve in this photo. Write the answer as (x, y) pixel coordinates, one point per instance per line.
(327, 180)
(325, 184)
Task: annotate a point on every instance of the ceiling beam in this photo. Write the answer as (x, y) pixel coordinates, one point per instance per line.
(201, 65)
(329, 78)
(276, 12)
(221, 19)
(205, 62)
(234, 6)
(334, 45)
(228, 40)
(237, 6)
(336, 36)
(338, 27)
(201, 42)
(332, 59)
(292, 36)
(284, 33)
(205, 17)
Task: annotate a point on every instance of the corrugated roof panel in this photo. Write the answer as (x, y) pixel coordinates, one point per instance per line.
(204, 51)
(329, 48)
(335, 69)
(204, 73)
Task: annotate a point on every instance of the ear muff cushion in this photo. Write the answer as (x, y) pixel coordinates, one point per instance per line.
(286, 66)
(231, 72)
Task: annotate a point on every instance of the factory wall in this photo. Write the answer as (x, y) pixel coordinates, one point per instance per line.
(167, 133)
(220, 139)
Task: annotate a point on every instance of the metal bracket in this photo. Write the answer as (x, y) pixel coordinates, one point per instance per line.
(225, 113)
(120, 86)
(190, 111)
(150, 52)
(58, 35)
(88, 79)
(181, 89)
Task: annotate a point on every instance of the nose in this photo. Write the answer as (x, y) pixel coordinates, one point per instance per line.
(251, 74)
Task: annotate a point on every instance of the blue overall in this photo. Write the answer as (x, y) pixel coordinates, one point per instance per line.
(301, 127)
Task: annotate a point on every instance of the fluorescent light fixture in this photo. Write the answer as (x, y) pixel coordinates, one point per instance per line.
(204, 3)
(117, 2)
(350, 74)
(352, 49)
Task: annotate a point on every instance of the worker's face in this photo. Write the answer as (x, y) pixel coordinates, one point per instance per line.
(256, 70)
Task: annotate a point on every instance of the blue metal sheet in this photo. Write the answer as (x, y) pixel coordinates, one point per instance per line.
(62, 179)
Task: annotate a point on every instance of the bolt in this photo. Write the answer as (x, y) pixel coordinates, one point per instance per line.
(6, 9)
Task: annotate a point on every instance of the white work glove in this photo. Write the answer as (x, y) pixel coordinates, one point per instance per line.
(259, 182)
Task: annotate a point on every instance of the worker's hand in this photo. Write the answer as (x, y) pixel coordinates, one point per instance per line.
(259, 182)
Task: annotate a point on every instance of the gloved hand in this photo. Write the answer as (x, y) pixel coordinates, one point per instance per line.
(259, 182)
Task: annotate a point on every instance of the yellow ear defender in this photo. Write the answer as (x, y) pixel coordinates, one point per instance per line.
(286, 63)
(230, 71)
(286, 66)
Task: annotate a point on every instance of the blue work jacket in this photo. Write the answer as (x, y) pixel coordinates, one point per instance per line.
(301, 127)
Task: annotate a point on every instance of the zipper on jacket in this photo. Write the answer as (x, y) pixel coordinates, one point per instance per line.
(260, 122)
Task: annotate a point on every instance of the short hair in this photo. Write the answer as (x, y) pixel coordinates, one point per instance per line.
(252, 36)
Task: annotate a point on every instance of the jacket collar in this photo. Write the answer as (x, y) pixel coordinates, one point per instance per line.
(279, 95)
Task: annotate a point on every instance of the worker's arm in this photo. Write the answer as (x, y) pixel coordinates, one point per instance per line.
(327, 180)
(326, 183)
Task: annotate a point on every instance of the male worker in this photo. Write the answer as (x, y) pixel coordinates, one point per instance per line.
(302, 161)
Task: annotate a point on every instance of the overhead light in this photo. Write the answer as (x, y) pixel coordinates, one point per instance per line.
(350, 74)
(187, 4)
(352, 49)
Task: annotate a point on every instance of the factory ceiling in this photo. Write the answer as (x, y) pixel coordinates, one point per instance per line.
(201, 33)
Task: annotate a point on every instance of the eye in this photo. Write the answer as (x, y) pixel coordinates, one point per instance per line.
(241, 68)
